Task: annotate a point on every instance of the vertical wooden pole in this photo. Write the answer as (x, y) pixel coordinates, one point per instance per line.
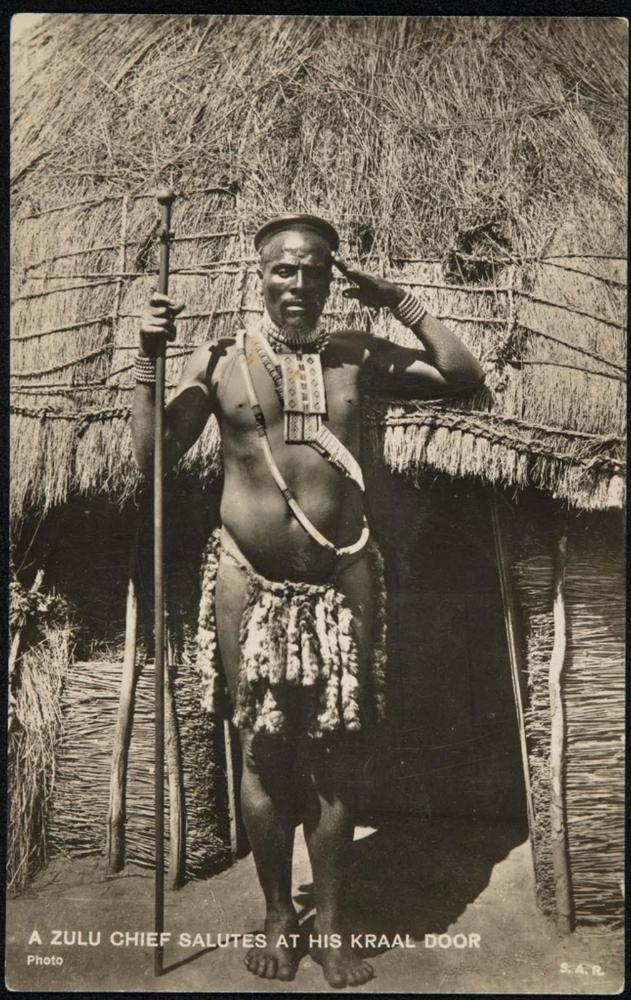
(231, 778)
(165, 199)
(510, 620)
(232, 797)
(116, 817)
(560, 861)
(177, 808)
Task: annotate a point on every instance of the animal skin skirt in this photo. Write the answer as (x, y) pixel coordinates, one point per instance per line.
(292, 635)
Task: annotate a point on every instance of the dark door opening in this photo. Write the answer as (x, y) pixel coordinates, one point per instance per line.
(451, 746)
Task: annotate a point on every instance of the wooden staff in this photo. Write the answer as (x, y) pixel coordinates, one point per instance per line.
(165, 199)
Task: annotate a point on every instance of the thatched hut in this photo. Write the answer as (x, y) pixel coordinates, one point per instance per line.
(478, 161)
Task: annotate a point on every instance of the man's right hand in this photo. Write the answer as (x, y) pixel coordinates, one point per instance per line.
(158, 321)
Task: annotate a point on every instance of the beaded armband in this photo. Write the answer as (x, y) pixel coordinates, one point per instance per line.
(144, 370)
(410, 310)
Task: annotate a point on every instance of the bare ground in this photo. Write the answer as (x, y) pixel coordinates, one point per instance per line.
(413, 878)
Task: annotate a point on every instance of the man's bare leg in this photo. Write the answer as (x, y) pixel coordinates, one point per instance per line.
(266, 797)
(328, 826)
(266, 804)
(330, 804)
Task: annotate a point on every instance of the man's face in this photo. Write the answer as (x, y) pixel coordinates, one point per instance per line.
(295, 272)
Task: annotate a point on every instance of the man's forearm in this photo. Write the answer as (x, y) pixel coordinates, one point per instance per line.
(142, 425)
(445, 351)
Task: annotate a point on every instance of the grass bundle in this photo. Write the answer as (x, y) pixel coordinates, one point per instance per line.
(32, 753)
(444, 149)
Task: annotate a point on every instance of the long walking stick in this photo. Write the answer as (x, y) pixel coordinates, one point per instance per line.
(165, 198)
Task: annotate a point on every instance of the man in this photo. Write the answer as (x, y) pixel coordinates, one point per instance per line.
(296, 585)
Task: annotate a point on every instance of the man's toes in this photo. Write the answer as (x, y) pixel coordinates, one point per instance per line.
(336, 979)
(270, 968)
(261, 966)
(366, 971)
(286, 971)
(252, 962)
(359, 974)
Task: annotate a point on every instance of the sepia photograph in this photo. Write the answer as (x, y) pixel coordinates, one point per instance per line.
(316, 673)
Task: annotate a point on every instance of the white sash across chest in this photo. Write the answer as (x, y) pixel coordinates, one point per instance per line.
(324, 441)
(299, 383)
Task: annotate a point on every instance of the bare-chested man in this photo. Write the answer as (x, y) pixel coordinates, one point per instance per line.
(286, 396)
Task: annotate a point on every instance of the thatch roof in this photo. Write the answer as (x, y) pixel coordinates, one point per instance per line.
(480, 161)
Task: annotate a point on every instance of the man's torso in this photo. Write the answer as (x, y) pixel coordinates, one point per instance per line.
(253, 508)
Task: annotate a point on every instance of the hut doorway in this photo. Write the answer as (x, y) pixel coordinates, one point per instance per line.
(452, 747)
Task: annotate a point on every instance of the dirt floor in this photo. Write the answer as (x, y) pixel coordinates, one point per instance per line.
(413, 878)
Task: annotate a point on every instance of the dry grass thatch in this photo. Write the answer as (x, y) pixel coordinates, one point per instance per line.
(480, 161)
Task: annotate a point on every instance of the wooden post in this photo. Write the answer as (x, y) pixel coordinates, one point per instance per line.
(230, 781)
(165, 199)
(177, 808)
(560, 861)
(510, 620)
(116, 816)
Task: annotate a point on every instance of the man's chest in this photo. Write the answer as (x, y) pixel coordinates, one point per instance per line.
(336, 394)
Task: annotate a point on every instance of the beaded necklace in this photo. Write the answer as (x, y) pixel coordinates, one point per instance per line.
(297, 375)
(309, 340)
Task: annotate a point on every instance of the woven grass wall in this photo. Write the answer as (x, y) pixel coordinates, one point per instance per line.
(79, 808)
(594, 703)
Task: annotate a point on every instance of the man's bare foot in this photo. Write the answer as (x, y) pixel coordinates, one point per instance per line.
(341, 967)
(274, 960)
